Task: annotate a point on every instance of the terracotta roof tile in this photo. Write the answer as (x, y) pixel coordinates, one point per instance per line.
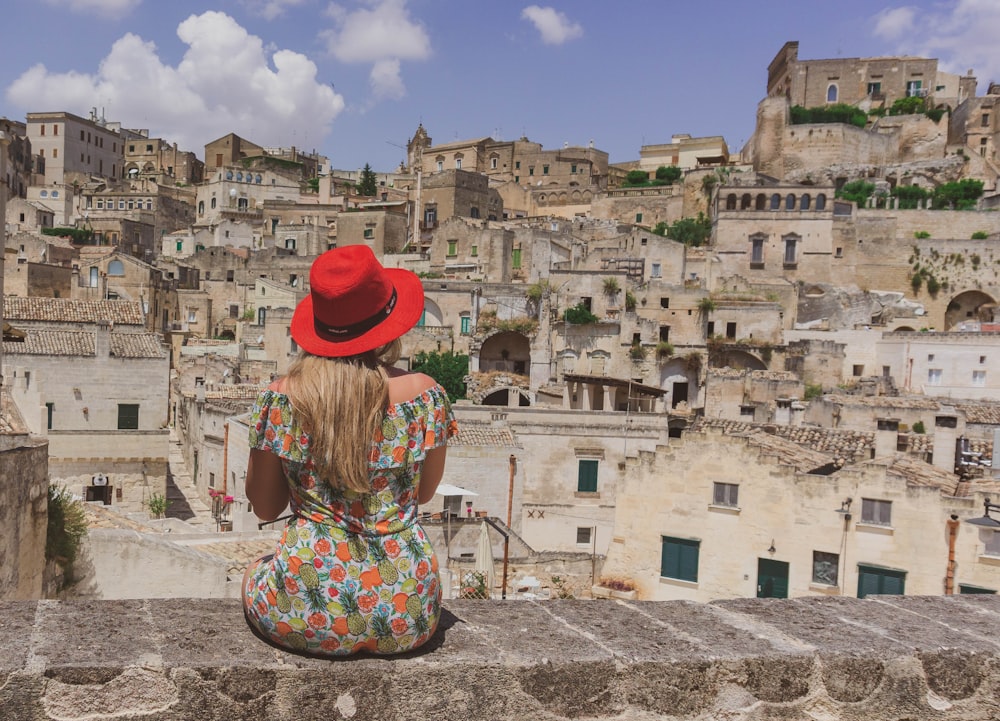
(81, 343)
(908, 402)
(63, 310)
(851, 446)
(984, 413)
(471, 433)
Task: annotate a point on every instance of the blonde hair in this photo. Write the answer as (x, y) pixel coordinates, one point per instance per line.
(340, 403)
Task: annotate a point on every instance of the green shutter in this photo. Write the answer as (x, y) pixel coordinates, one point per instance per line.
(587, 477)
(679, 559)
(873, 580)
(128, 416)
(465, 324)
(516, 257)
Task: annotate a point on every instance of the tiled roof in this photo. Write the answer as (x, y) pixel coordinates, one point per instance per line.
(787, 452)
(241, 391)
(917, 403)
(81, 343)
(63, 310)
(984, 413)
(850, 446)
(11, 421)
(471, 433)
(920, 473)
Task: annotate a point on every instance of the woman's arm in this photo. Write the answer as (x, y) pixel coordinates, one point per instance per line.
(430, 473)
(266, 487)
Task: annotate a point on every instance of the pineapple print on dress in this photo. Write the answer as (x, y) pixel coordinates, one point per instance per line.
(353, 571)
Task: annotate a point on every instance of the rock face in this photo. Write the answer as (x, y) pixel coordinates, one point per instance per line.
(888, 657)
(837, 308)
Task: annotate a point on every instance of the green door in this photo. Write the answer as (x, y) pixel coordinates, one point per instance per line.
(877, 580)
(772, 578)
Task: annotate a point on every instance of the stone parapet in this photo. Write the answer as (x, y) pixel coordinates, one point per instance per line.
(817, 658)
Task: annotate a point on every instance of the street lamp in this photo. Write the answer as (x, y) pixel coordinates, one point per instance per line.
(986, 520)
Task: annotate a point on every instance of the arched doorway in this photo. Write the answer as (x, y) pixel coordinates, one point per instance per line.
(507, 397)
(507, 352)
(972, 305)
(679, 387)
(736, 358)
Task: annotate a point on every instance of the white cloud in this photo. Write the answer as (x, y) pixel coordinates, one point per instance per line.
(224, 83)
(271, 9)
(382, 34)
(961, 35)
(892, 23)
(102, 7)
(554, 26)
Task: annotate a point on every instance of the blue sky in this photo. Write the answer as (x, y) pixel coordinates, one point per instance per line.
(352, 79)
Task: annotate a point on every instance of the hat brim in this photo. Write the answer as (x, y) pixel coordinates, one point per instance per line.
(405, 314)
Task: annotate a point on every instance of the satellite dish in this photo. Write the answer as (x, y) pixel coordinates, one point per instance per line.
(260, 339)
(99, 480)
(232, 192)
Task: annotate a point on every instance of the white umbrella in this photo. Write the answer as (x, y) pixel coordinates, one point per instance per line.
(484, 559)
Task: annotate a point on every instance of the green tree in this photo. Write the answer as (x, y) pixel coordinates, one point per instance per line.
(858, 191)
(579, 315)
(907, 106)
(693, 232)
(636, 177)
(670, 174)
(313, 184)
(960, 195)
(367, 183)
(448, 368)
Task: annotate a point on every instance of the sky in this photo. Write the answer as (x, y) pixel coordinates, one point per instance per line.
(353, 79)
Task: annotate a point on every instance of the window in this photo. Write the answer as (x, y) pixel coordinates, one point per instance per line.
(858, 370)
(545, 170)
(913, 88)
(583, 535)
(572, 169)
(726, 494)
(458, 163)
(775, 202)
(234, 311)
(93, 276)
(876, 512)
(655, 272)
(211, 480)
(49, 412)
(213, 204)
(826, 568)
(440, 165)
(831, 93)
(757, 252)
(531, 170)
(516, 258)
(192, 316)
(474, 212)
(805, 201)
(493, 163)
(452, 248)
(586, 481)
(877, 580)
(731, 331)
(933, 376)
(128, 416)
(790, 201)
(474, 251)
(838, 253)
(874, 88)
(180, 245)
(517, 179)
(55, 130)
(665, 301)
(967, 588)
(982, 359)
(369, 233)
(992, 547)
(679, 558)
(665, 333)
(116, 268)
(638, 217)
(466, 322)
(979, 378)
(985, 120)
(821, 202)
(517, 165)
(790, 251)
(230, 276)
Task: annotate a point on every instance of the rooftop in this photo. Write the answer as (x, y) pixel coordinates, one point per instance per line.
(81, 343)
(64, 310)
(851, 446)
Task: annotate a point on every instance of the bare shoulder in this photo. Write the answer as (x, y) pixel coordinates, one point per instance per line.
(407, 386)
(277, 385)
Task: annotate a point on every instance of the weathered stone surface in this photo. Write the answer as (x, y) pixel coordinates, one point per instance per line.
(817, 658)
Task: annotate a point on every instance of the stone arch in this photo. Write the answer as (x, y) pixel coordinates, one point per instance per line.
(775, 201)
(567, 361)
(805, 201)
(507, 351)
(502, 397)
(562, 198)
(677, 381)
(577, 196)
(821, 201)
(731, 201)
(761, 203)
(790, 201)
(116, 267)
(432, 313)
(736, 358)
(746, 201)
(587, 196)
(970, 305)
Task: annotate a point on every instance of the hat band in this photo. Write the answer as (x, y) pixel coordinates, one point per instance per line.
(335, 333)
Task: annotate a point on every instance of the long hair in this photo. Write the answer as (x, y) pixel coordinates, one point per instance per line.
(340, 403)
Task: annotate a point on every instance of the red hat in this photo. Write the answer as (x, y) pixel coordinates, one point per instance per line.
(355, 305)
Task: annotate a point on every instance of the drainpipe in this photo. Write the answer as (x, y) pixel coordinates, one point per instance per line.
(949, 577)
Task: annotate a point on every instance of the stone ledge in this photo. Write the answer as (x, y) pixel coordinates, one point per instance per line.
(889, 657)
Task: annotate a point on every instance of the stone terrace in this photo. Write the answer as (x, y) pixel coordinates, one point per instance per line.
(885, 658)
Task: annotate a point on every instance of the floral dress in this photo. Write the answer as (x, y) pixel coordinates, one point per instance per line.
(353, 571)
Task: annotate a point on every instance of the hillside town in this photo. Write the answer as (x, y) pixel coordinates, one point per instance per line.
(700, 373)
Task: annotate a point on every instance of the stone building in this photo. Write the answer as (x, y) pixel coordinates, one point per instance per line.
(384, 227)
(95, 383)
(72, 148)
(725, 516)
(159, 159)
(950, 365)
(684, 152)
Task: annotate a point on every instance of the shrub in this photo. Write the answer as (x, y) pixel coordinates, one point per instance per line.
(916, 281)
(921, 235)
(918, 427)
(960, 195)
(907, 106)
(664, 349)
(909, 196)
(813, 390)
(579, 315)
(857, 191)
(630, 301)
(449, 369)
(611, 286)
(933, 286)
(670, 174)
(935, 114)
(636, 177)
(67, 525)
(660, 228)
(80, 236)
(157, 505)
(706, 304)
(837, 113)
(692, 232)
(637, 352)
(980, 235)
(535, 291)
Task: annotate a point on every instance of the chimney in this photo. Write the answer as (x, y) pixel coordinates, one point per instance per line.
(798, 413)
(783, 411)
(102, 339)
(886, 437)
(945, 439)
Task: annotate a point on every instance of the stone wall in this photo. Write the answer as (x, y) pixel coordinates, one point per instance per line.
(23, 516)
(884, 658)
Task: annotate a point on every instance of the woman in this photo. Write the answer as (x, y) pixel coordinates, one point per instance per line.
(353, 445)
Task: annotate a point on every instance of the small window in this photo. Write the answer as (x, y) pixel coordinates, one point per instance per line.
(679, 558)
(790, 256)
(493, 163)
(874, 89)
(933, 376)
(992, 546)
(545, 170)
(826, 568)
(474, 251)
(665, 333)
(531, 170)
(880, 581)
(440, 165)
(664, 302)
(583, 535)
(50, 409)
(452, 248)
(979, 379)
(757, 251)
(726, 494)
(230, 276)
(192, 316)
(466, 323)
(655, 271)
(876, 512)
(211, 480)
(858, 370)
(586, 481)
(831, 93)
(985, 120)
(572, 169)
(967, 588)
(982, 359)
(731, 331)
(458, 163)
(128, 416)
(369, 233)
(838, 253)
(638, 217)
(516, 258)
